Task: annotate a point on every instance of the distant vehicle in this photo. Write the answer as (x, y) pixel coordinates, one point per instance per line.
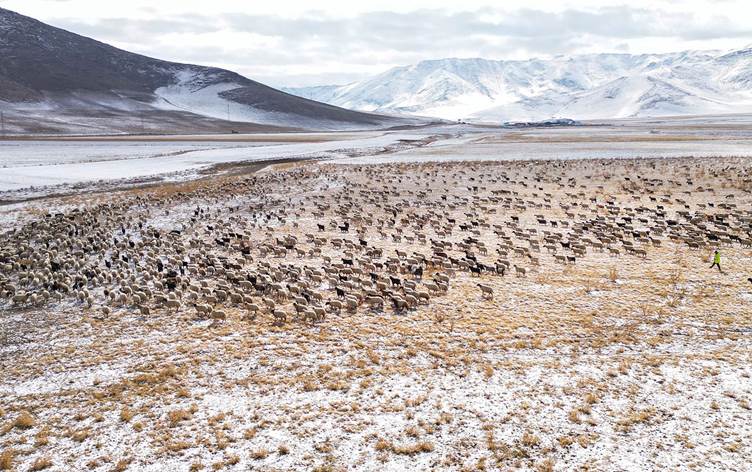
(234, 132)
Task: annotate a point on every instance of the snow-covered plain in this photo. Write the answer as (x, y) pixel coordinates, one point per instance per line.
(31, 168)
(26, 164)
(472, 148)
(608, 364)
(46, 153)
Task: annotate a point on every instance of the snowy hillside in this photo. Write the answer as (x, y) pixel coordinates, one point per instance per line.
(580, 87)
(192, 92)
(54, 81)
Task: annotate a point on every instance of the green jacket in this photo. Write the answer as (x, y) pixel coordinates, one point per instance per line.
(717, 258)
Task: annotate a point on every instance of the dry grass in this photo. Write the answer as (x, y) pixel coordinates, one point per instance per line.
(6, 459)
(177, 416)
(126, 415)
(41, 463)
(561, 370)
(259, 454)
(412, 448)
(121, 465)
(24, 421)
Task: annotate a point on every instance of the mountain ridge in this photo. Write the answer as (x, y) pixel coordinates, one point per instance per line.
(685, 82)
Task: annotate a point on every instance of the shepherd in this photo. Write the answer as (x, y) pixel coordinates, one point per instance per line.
(717, 260)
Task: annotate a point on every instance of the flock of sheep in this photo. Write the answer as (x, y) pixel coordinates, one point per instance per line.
(314, 240)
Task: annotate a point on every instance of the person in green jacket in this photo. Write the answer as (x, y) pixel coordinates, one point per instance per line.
(717, 260)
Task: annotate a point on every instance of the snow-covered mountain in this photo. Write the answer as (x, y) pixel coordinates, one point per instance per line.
(581, 87)
(52, 80)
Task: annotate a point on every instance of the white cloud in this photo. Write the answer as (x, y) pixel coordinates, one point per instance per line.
(285, 43)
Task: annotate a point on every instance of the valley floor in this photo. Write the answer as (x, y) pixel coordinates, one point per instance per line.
(609, 362)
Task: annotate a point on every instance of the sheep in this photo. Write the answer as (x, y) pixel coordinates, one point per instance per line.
(309, 315)
(320, 312)
(173, 304)
(399, 304)
(270, 304)
(351, 303)
(432, 287)
(211, 258)
(486, 291)
(279, 316)
(375, 302)
(203, 309)
(20, 298)
(335, 305)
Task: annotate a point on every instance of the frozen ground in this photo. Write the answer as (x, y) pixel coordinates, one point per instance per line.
(32, 168)
(612, 363)
(724, 137)
(564, 150)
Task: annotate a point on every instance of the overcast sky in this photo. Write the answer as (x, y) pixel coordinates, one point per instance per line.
(285, 42)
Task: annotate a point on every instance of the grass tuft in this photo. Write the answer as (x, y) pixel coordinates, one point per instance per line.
(41, 463)
(6, 459)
